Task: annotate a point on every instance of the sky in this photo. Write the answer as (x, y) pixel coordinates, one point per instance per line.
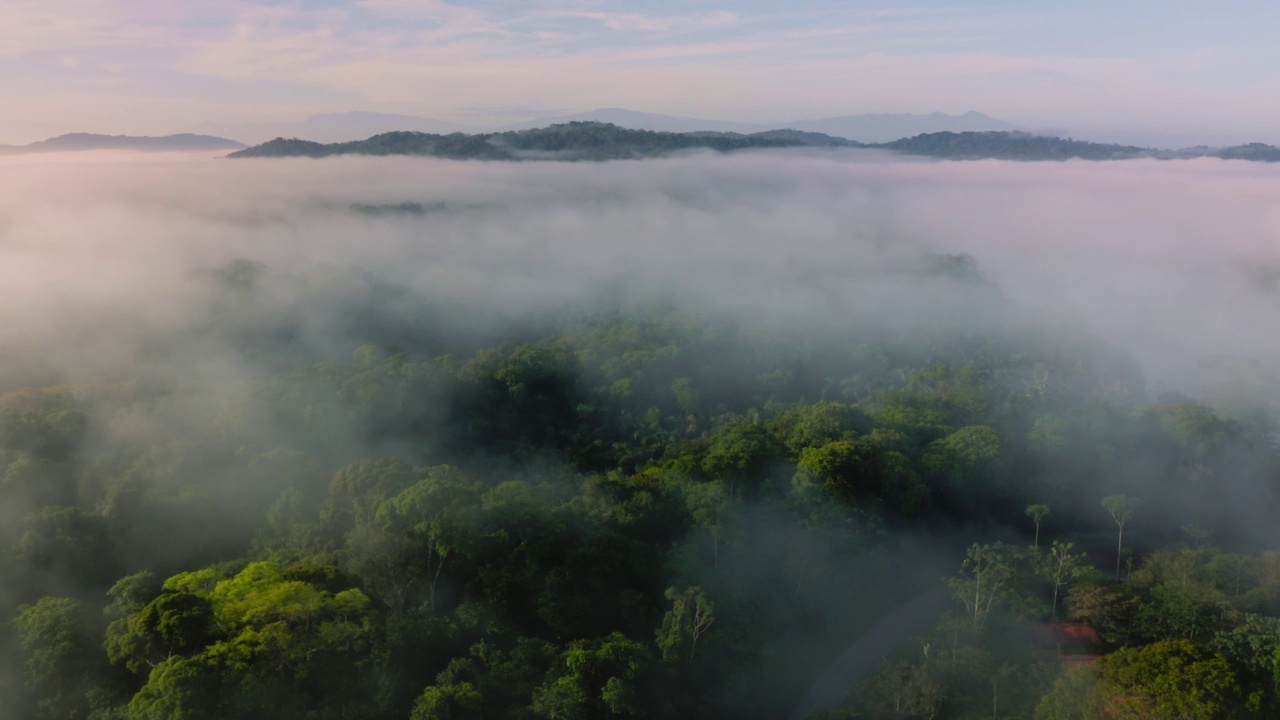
(151, 66)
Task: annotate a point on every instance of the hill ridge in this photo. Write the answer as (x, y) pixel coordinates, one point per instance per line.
(82, 141)
(591, 140)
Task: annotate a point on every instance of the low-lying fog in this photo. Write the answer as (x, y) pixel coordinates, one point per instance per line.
(1172, 261)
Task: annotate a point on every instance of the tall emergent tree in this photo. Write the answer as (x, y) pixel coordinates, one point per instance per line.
(689, 618)
(1061, 567)
(1037, 513)
(1122, 509)
(980, 586)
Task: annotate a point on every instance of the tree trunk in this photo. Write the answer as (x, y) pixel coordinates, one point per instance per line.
(977, 599)
(995, 698)
(804, 563)
(435, 578)
(955, 646)
(1119, 548)
(431, 593)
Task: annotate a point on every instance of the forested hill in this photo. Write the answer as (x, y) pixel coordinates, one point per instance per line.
(604, 141)
(1011, 146)
(93, 141)
(1025, 146)
(568, 141)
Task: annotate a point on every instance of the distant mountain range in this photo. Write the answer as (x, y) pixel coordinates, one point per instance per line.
(595, 140)
(567, 141)
(338, 127)
(582, 140)
(1025, 146)
(89, 141)
(351, 126)
(864, 128)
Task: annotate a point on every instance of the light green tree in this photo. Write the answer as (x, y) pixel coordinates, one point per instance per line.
(250, 645)
(1172, 679)
(1122, 509)
(1060, 568)
(1037, 513)
(453, 701)
(689, 618)
(983, 579)
(594, 679)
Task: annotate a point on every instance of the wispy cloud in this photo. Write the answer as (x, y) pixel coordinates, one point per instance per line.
(1031, 62)
(634, 22)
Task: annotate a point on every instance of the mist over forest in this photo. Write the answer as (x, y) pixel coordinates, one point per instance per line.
(761, 435)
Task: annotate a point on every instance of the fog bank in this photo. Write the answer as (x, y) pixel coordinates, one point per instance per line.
(1169, 260)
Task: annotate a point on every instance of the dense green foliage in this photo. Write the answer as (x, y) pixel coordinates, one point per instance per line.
(1187, 633)
(373, 504)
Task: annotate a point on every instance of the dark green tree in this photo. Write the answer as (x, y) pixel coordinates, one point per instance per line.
(62, 661)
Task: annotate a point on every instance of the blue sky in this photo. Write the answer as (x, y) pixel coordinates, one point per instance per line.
(157, 66)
